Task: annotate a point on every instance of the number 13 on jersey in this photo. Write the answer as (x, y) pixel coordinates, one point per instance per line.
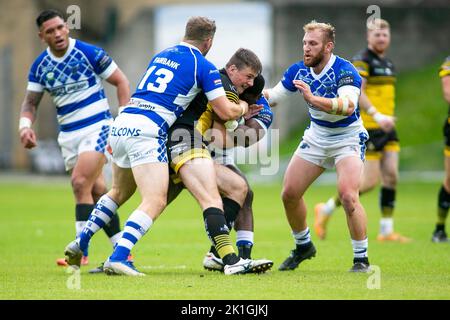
(159, 85)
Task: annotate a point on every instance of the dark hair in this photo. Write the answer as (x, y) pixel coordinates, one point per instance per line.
(47, 15)
(245, 58)
(252, 94)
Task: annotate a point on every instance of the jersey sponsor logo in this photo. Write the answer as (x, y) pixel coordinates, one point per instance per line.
(74, 65)
(385, 71)
(69, 88)
(50, 76)
(304, 145)
(217, 82)
(104, 61)
(306, 80)
(178, 149)
(140, 155)
(125, 132)
(346, 81)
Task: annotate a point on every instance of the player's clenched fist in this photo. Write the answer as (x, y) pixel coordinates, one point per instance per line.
(28, 138)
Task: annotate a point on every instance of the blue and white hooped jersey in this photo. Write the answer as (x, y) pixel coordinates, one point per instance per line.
(265, 116)
(336, 74)
(74, 82)
(172, 80)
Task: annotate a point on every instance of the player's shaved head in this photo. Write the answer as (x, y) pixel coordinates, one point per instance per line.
(200, 29)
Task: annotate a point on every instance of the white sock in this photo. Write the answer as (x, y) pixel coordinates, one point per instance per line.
(244, 236)
(360, 248)
(115, 238)
(386, 226)
(79, 226)
(302, 237)
(329, 207)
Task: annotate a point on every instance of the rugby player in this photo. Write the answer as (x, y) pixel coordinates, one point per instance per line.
(71, 71)
(330, 86)
(377, 103)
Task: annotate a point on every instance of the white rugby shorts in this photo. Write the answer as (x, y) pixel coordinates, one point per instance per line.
(91, 138)
(135, 140)
(326, 153)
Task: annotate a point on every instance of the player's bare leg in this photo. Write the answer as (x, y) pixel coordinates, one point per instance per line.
(233, 189)
(123, 187)
(154, 199)
(299, 175)
(349, 172)
(389, 178)
(324, 210)
(439, 234)
(199, 177)
(87, 170)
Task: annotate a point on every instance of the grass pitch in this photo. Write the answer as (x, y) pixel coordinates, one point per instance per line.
(37, 221)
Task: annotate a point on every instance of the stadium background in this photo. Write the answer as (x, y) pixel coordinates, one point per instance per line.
(36, 219)
(129, 32)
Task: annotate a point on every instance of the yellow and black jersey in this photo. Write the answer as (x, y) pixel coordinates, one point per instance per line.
(199, 113)
(380, 85)
(186, 139)
(444, 70)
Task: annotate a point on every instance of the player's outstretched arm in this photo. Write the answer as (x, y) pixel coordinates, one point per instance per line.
(386, 123)
(227, 110)
(120, 81)
(27, 117)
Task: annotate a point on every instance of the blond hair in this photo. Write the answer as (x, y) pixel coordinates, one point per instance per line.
(326, 28)
(199, 29)
(377, 23)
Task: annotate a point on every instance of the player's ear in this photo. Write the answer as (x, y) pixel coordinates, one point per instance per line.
(329, 46)
(233, 68)
(41, 36)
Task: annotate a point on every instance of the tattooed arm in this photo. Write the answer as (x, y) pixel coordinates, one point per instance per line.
(27, 117)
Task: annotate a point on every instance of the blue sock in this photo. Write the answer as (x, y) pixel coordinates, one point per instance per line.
(136, 226)
(102, 214)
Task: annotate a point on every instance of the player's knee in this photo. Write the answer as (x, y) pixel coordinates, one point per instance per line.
(447, 181)
(155, 204)
(348, 200)
(238, 190)
(289, 195)
(80, 184)
(391, 179)
(98, 190)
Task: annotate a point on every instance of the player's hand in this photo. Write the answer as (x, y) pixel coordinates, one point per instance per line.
(253, 111)
(304, 89)
(386, 123)
(28, 138)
